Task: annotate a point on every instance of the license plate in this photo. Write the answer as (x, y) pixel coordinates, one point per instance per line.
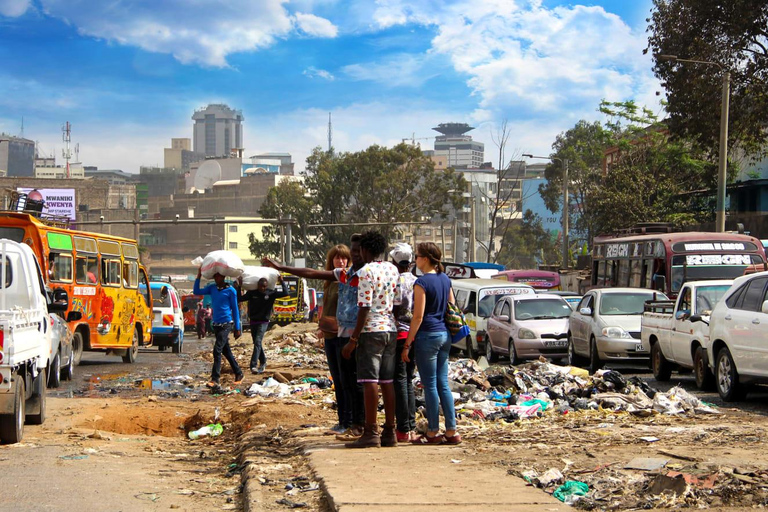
(556, 343)
(639, 347)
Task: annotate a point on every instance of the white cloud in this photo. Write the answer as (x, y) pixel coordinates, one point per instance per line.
(14, 8)
(313, 72)
(201, 32)
(315, 26)
(396, 70)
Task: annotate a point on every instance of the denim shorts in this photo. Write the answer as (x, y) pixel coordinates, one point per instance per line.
(375, 357)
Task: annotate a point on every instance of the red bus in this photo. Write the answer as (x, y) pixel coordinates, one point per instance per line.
(538, 279)
(664, 261)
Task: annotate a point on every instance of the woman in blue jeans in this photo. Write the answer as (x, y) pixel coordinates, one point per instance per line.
(431, 294)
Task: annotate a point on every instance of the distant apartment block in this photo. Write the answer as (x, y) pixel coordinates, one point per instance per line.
(459, 149)
(217, 130)
(17, 156)
(180, 155)
(276, 163)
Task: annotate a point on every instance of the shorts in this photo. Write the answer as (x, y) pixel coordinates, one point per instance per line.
(375, 357)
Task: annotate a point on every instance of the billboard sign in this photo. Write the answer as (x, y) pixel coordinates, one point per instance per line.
(59, 202)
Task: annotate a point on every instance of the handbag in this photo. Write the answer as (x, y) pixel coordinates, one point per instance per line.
(328, 324)
(455, 322)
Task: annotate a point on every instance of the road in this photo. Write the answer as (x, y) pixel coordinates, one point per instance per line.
(112, 442)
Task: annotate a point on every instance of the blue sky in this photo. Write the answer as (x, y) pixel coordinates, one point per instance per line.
(127, 74)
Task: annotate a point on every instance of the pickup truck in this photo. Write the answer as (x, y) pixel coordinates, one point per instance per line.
(678, 331)
(25, 339)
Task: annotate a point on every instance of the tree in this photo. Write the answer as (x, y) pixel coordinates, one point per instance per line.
(731, 33)
(528, 244)
(340, 192)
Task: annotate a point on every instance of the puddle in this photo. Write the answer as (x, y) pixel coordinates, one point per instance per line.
(155, 384)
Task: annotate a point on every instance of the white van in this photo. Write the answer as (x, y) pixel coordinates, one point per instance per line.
(477, 298)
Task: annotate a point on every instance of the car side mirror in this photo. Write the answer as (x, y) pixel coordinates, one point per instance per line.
(764, 309)
(503, 318)
(682, 314)
(60, 301)
(74, 316)
(697, 318)
(586, 311)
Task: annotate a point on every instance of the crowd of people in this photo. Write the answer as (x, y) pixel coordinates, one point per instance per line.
(379, 323)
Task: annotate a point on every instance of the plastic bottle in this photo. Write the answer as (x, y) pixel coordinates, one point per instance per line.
(213, 430)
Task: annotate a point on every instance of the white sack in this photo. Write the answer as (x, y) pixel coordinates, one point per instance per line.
(197, 261)
(222, 262)
(253, 274)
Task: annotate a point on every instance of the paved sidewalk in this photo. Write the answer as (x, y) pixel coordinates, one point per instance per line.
(418, 478)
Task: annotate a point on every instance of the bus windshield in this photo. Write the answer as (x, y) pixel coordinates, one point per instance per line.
(708, 269)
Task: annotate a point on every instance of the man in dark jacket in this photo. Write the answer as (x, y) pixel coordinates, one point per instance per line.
(260, 302)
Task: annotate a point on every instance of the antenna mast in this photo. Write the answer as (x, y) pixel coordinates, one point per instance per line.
(66, 136)
(330, 133)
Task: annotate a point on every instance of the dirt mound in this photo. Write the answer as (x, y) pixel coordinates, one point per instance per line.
(141, 420)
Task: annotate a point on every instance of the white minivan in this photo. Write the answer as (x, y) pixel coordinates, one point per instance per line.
(477, 298)
(168, 320)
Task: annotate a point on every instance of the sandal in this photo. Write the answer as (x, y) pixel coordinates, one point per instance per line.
(425, 439)
(454, 439)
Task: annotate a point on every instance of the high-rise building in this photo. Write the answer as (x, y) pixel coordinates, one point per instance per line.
(460, 150)
(217, 130)
(180, 155)
(17, 156)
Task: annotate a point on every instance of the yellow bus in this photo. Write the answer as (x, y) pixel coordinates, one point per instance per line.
(294, 307)
(103, 277)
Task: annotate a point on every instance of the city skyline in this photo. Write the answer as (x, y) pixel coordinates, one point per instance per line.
(128, 78)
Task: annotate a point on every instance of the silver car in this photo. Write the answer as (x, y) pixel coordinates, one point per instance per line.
(606, 327)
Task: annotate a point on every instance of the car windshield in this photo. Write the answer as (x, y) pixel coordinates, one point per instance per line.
(708, 296)
(625, 303)
(540, 309)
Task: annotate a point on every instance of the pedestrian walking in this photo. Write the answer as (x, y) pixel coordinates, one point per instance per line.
(431, 294)
(208, 320)
(405, 398)
(225, 318)
(346, 317)
(260, 302)
(200, 320)
(374, 340)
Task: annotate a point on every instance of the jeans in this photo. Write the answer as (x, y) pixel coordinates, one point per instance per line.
(432, 349)
(258, 358)
(405, 400)
(333, 348)
(353, 391)
(221, 346)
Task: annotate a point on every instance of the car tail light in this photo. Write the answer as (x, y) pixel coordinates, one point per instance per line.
(2, 339)
(480, 338)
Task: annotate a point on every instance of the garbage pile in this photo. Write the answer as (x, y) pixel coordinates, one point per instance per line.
(301, 349)
(532, 389)
(272, 388)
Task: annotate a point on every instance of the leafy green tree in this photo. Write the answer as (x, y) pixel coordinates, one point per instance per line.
(342, 192)
(731, 33)
(527, 244)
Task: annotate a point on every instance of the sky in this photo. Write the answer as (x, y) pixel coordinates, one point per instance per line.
(128, 74)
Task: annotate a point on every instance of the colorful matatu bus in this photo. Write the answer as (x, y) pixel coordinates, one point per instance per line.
(103, 277)
(295, 307)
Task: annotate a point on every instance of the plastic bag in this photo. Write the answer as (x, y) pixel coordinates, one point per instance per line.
(571, 491)
(252, 275)
(225, 263)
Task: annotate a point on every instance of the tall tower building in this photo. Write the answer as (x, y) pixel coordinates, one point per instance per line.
(217, 130)
(460, 150)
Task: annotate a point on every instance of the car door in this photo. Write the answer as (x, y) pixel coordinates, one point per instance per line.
(675, 344)
(744, 324)
(505, 327)
(494, 329)
(579, 324)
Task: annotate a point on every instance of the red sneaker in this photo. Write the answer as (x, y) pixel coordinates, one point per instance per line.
(402, 437)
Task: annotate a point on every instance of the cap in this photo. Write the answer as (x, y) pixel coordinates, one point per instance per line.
(402, 253)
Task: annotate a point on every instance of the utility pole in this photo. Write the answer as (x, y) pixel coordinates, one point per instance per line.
(288, 241)
(566, 212)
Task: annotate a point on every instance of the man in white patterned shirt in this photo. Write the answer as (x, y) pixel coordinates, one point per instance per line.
(375, 337)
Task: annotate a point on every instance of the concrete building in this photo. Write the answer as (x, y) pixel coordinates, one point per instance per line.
(268, 162)
(76, 172)
(17, 156)
(161, 181)
(112, 176)
(217, 130)
(180, 155)
(459, 149)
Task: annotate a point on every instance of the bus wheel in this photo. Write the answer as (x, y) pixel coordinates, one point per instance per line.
(77, 347)
(131, 353)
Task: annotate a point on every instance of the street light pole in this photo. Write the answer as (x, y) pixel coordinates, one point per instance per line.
(566, 245)
(722, 168)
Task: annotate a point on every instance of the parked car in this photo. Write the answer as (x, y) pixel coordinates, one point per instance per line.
(738, 331)
(477, 298)
(62, 366)
(528, 326)
(606, 326)
(678, 331)
(168, 321)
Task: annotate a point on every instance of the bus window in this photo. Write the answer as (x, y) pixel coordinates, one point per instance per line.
(60, 267)
(623, 273)
(131, 274)
(87, 268)
(647, 278)
(635, 273)
(110, 272)
(144, 288)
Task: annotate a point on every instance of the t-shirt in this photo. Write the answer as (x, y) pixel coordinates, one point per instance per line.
(436, 289)
(378, 290)
(405, 311)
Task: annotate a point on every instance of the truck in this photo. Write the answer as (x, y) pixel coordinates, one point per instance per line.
(678, 331)
(25, 339)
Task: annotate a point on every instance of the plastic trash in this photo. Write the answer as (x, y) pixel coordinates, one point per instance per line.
(571, 491)
(213, 430)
